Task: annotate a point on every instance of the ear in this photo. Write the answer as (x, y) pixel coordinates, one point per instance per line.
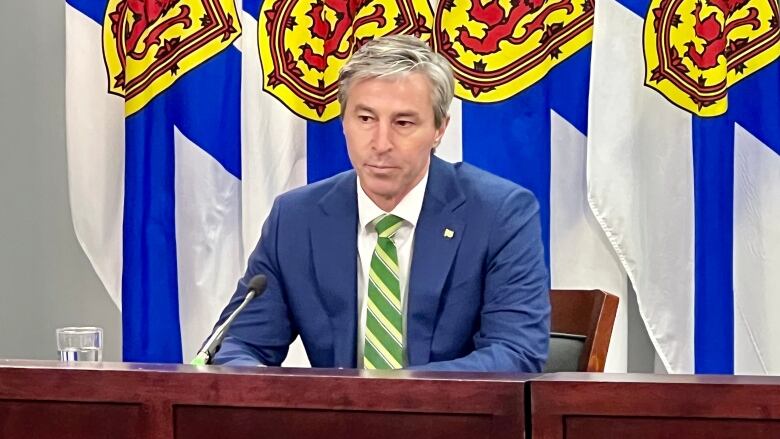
(440, 131)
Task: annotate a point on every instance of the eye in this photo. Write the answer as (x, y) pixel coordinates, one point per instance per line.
(364, 118)
(404, 123)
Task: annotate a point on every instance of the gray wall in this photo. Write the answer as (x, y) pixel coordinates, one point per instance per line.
(641, 353)
(46, 280)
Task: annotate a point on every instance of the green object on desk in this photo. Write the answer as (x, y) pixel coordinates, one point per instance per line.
(201, 359)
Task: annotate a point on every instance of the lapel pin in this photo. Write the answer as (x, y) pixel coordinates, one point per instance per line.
(448, 233)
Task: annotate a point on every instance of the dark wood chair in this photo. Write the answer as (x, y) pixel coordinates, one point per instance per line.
(580, 330)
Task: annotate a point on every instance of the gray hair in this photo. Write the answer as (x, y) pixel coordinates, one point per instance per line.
(395, 55)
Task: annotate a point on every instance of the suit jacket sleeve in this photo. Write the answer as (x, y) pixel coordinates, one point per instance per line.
(513, 334)
(262, 333)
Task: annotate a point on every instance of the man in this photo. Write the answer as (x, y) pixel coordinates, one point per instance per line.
(405, 261)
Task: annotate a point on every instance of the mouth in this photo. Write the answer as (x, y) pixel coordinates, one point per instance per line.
(380, 168)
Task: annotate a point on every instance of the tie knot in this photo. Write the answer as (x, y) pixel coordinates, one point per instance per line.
(387, 224)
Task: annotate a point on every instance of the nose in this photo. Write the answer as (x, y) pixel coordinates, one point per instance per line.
(382, 138)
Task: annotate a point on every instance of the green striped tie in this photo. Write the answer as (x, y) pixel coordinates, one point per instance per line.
(384, 319)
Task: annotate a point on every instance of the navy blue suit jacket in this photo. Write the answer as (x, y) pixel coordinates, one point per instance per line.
(477, 301)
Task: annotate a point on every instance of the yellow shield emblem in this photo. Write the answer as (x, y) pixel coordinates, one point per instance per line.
(500, 47)
(696, 51)
(304, 43)
(148, 44)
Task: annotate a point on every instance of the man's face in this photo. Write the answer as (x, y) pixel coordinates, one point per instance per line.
(390, 132)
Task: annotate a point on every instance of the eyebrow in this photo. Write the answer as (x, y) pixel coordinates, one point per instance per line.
(361, 107)
(410, 114)
(413, 114)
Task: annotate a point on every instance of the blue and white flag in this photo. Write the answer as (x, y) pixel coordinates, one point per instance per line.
(168, 211)
(684, 173)
(154, 157)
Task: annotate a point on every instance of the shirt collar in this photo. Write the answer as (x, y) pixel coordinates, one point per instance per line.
(408, 209)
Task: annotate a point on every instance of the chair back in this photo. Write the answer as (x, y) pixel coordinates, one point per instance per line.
(580, 330)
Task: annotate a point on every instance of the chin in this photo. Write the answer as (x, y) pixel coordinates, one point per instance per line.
(381, 190)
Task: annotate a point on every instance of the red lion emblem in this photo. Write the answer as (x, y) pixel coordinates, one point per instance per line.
(499, 48)
(332, 35)
(304, 43)
(696, 49)
(148, 43)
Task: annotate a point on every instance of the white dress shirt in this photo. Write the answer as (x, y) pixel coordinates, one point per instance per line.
(408, 210)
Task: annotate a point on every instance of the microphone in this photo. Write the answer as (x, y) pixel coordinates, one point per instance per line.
(256, 287)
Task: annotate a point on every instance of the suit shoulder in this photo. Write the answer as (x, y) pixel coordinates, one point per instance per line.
(309, 195)
(489, 188)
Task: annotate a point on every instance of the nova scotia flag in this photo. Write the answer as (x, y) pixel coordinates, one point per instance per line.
(684, 173)
(154, 157)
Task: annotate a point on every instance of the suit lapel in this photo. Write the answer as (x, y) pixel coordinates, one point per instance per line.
(334, 247)
(436, 240)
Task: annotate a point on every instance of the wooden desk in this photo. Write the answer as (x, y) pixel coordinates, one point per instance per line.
(116, 400)
(574, 406)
